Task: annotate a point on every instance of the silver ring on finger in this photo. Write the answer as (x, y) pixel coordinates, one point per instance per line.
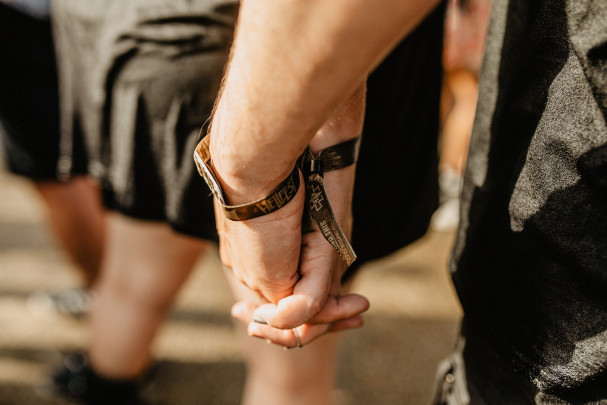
(298, 344)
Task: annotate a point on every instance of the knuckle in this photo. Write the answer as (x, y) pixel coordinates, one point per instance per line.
(316, 305)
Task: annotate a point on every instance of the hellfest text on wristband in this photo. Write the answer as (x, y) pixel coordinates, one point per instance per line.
(317, 205)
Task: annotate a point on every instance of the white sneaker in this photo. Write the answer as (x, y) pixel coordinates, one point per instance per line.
(73, 302)
(446, 217)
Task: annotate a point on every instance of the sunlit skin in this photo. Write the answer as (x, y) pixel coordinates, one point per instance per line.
(293, 64)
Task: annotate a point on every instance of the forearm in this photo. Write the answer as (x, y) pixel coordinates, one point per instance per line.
(293, 63)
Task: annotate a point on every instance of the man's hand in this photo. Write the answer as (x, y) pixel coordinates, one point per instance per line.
(263, 252)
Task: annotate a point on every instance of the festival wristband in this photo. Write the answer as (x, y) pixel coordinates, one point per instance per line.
(278, 198)
(318, 208)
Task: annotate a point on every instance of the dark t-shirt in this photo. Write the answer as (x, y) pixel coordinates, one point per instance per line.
(530, 265)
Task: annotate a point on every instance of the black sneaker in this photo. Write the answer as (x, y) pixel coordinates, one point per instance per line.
(76, 381)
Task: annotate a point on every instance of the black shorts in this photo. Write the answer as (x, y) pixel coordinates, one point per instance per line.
(29, 103)
(396, 189)
(141, 79)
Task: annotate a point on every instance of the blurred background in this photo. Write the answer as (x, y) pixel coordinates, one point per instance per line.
(411, 326)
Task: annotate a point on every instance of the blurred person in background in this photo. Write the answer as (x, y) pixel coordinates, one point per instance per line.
(138, 81)
(465, 30)
(29, 132)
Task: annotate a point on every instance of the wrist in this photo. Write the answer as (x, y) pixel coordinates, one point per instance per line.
(281, 195)
(245, 180)
(247, 166)
(345, 124)
(243, 183)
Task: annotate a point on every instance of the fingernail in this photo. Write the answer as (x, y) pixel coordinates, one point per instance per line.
(268, 341)
(257, 319)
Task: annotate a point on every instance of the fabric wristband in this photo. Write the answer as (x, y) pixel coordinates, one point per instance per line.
(278, 198)
(318, 209)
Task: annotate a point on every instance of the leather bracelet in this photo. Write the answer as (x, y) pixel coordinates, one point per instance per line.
(277, 199)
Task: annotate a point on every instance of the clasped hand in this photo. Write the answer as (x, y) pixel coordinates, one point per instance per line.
(297, 276)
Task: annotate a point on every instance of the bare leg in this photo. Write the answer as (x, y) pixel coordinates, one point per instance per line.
(460, 92)
(457, 126)
(275, 376)
(77, 218)
(145, 265)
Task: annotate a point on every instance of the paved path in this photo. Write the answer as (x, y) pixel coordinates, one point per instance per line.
(411, 325)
